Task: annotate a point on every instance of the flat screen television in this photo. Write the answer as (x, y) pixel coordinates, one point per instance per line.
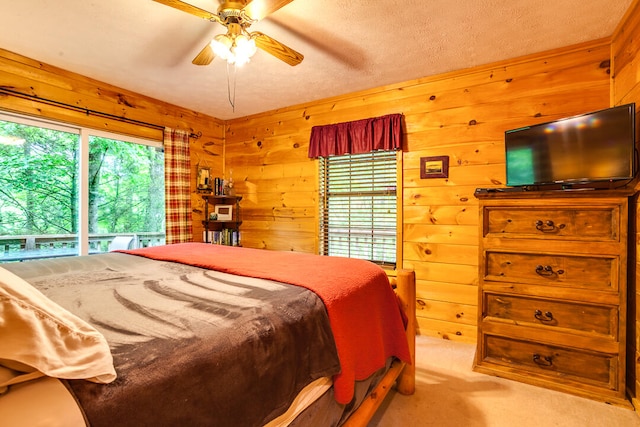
(593, 147)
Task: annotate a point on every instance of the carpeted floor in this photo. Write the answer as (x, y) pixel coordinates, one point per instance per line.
(449, 393)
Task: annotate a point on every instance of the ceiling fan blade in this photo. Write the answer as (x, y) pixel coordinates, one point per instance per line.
(186, 7)
(258, 9)
(205, 56)
(277, 49)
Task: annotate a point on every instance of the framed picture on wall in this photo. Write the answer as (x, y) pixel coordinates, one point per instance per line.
(434, 167)
(224, 212)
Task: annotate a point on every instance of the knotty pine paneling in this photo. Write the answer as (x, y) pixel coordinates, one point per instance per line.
(455, 313)
(456, 234)
(625, 88)
(447, 195)
(436, 215)
(447, 292)
(29, 76)
(461, 176)
(625, 45)
(440, 252)
(447, 330)
(461, 114)
(463, 274)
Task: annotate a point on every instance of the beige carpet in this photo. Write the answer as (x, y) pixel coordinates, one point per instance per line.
(449, 393)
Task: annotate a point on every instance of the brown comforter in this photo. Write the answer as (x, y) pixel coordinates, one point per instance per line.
(363, 310)
(192, 347)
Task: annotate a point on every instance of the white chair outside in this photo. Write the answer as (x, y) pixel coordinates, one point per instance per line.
(122, 242)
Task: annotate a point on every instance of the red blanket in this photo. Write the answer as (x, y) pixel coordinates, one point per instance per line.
(361, 305)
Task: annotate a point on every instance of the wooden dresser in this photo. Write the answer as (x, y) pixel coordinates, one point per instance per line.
(552, 290)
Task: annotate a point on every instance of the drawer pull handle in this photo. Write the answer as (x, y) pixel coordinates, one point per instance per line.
(546, 317)
(546, 271)
(548, 226)
(545, 361)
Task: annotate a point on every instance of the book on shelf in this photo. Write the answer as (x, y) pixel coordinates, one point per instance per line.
(226, 236)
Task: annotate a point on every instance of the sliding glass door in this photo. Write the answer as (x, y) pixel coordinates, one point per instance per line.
(67, 191)
(126, 192)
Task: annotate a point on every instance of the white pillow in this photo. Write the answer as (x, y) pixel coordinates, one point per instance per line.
(36, 334)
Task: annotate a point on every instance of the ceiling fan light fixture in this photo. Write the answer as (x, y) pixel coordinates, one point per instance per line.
(234, 48)
(244, 47)
(221, 45)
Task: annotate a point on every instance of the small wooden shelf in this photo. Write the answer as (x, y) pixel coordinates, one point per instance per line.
(226, 231)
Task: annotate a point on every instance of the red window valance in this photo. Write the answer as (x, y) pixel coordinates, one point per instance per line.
(360, 136)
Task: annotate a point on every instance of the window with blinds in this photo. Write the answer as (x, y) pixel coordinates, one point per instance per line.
(358, 206)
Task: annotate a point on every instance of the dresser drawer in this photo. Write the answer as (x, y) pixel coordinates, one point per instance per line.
(556, 314)
(589, 224)
(579, 271)
(563, 364)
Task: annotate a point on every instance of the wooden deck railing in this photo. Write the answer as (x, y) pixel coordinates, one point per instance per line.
(20, 248)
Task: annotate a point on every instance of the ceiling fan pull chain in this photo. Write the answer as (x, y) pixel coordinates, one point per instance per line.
(232, 100)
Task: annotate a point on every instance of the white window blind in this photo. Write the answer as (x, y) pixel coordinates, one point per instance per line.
(358, 206)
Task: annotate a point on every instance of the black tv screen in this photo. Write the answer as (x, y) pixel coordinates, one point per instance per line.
(592, 147)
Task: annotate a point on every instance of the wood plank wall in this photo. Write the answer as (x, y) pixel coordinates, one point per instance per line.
(462, 115)
(24, 75)
(625, 88)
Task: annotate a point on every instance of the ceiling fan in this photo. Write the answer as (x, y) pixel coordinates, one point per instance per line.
(238, 44)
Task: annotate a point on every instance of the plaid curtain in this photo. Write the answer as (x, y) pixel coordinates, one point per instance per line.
(177, 178)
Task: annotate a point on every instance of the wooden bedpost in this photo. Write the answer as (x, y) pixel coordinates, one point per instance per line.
(400, 373)
(406, 290)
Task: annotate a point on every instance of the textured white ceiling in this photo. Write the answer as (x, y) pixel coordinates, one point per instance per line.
(348, 46)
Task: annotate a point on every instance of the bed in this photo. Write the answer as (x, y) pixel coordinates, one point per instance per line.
(199, 334)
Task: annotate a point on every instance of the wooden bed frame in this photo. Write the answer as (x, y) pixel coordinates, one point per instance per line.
(400, 373)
